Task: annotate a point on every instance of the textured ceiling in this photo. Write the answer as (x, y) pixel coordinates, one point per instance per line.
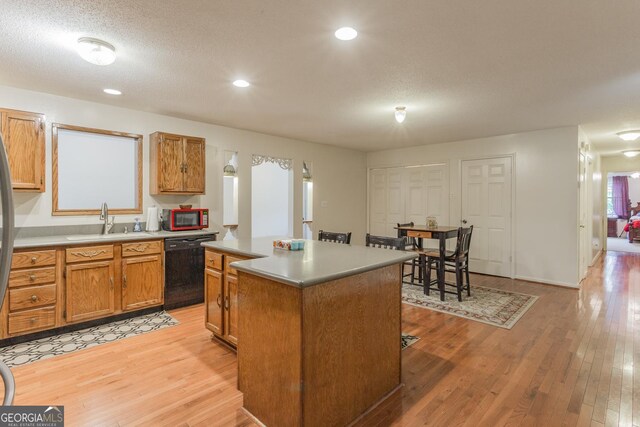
(464, 69)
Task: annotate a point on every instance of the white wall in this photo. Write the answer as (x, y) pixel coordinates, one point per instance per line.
(546, 197)
(598, 226)
(339, 174)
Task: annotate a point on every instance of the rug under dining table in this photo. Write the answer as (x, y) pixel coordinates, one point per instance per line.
(495, 307)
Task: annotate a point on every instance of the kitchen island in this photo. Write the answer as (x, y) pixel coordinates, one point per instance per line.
(317, 331)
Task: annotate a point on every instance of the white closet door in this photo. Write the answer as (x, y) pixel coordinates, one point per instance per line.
(378, 202)
(395, 200)
(486, 204)
(406, 194)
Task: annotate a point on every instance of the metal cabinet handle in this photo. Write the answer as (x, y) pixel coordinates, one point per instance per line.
(218, 300)
(34, 298)
(32, 277)
(111, 282)
(124, 282)
(226, 302)
(33, 260)
(32, 320)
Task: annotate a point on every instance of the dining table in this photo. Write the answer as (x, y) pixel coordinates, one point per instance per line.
(440, 233)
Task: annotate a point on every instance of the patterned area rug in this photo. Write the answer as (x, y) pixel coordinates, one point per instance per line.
(492, 306)
(45, 348)
(408, 340)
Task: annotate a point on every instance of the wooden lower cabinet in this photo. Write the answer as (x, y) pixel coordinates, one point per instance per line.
(221, 296)
(213, 301)
(142, 282)
(231, 309)
(90, 290)
(53, 287)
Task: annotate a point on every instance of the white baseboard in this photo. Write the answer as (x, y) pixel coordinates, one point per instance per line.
(595, 258)
(548, 282)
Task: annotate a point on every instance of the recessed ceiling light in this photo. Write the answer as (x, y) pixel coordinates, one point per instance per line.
(112, 91)
(401, 114)
(629, 135)
(241, 83)
(631, 153)
(96, 51)
(346, 33)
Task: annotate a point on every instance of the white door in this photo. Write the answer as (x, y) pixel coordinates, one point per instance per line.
(584, 248)
(377, 202)
(486, 204)
(407, 194)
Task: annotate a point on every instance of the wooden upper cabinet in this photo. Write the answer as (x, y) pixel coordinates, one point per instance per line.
(194, 165)
(23, 136)
(177, 164)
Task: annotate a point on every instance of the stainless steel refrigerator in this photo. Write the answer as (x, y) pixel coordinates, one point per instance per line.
(6, 252)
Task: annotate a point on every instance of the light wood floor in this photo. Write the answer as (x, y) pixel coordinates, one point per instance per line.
(570, 360)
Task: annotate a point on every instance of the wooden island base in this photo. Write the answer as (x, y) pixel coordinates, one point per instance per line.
(320, 355)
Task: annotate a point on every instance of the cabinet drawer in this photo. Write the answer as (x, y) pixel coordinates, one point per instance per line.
(90, 253)
(34, 276)
(213, 260)
(33, 259)
(24, 321)
(141, 248)
(31, 297)
(228, 260)
(419, 234)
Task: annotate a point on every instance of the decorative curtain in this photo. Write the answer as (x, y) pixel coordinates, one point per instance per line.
(620, 195)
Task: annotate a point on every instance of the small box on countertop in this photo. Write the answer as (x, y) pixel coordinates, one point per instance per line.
(289, 245)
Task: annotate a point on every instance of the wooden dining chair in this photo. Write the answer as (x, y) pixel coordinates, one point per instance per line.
(397, 243)
(410, 245)
(454, 262)
(330, 236)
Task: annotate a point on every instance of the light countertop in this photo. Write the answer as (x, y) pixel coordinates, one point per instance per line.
(319, 262)
(90, 239)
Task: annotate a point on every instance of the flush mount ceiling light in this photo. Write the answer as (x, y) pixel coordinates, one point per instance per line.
(241, 83)
(629, 135)
(635, 175)
(401, 114)
(112, 91)
(631, 153)
(96, 51)
(346, 33)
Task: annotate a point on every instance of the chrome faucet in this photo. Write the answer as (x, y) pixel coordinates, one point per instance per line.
(104, 216)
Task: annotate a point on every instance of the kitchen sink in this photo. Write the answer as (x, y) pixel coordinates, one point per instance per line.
(80, 237)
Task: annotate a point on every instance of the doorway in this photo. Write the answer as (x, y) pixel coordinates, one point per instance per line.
(623, 212)
(271, 197)
(486, 199)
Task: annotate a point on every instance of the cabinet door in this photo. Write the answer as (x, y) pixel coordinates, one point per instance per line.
(171, 167)
(90, 290)
(231, 309)
(141, 282)
(23, 135)
(194, 165)
(213, 300)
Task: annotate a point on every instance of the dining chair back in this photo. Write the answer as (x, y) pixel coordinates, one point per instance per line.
(330, 236)
(410, 244)
(397, 243)
(456, 262)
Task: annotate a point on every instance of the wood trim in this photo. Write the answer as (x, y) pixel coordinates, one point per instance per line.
(55, 210)
(89, 253)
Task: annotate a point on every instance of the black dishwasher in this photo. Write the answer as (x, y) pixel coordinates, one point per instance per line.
(184, 271)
